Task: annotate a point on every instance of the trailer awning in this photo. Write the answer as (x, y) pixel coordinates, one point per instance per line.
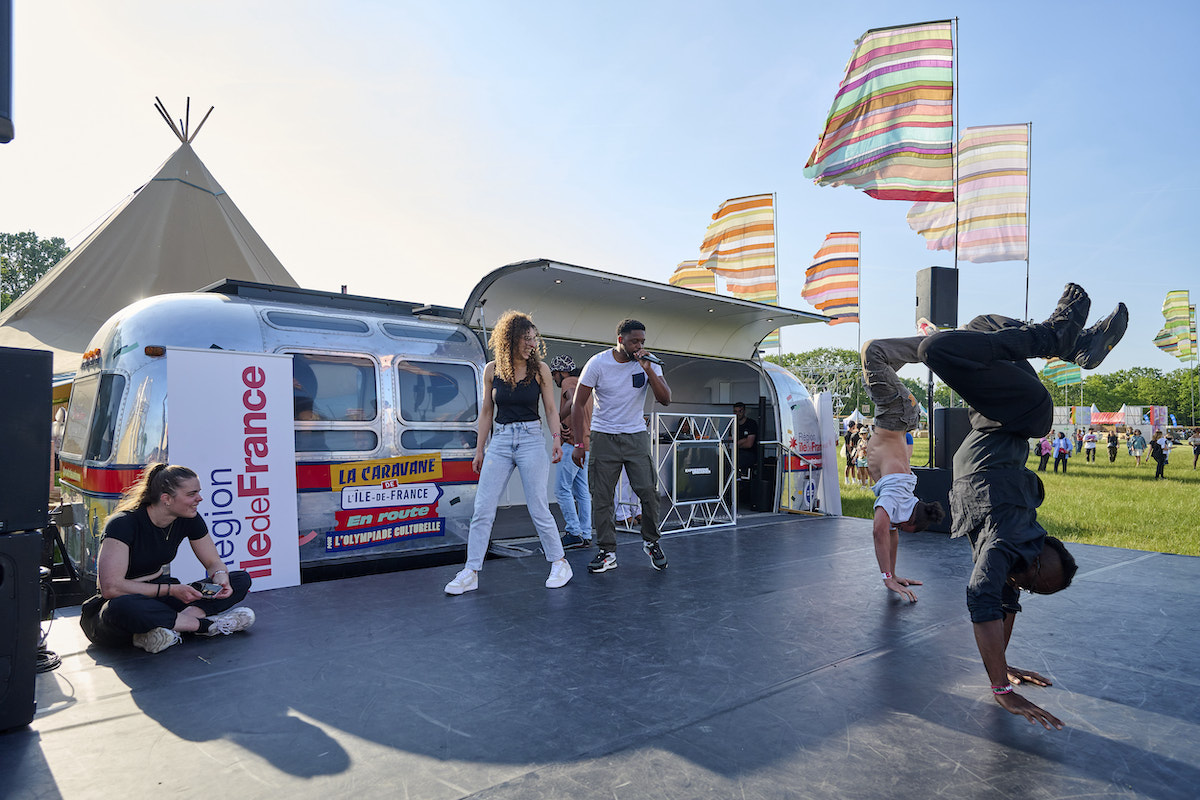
(580, 304)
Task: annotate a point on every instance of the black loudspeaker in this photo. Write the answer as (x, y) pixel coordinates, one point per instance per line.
(950, 427)
(19, 613)
(933, 486)
(937, 296)
(24, 439)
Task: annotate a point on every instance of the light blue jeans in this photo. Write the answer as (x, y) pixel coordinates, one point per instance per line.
(518, 445)
(571, 491)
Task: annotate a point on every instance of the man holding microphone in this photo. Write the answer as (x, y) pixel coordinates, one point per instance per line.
(619, 439)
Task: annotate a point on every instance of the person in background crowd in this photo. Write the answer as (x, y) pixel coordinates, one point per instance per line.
(138, 603)
(747, 438)
(850, 440)
(1089, 445)
(1062, 451)
(1137, 446)
(571, 484)
(1113, 442)
(1194, 441)
(1079, 440)
(861, 461)
(1158, 453)
(510, 437)
(1044, 448)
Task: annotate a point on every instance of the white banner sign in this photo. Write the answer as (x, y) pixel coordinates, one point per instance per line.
(229, 418)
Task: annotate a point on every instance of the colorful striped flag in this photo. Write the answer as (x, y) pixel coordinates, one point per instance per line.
(1176, 334)
(891, 127)
(739, 245)
(831, 283)
(993, 198)
(690, 275)
(1062, 373)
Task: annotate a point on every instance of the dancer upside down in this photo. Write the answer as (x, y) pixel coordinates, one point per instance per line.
(994, 498)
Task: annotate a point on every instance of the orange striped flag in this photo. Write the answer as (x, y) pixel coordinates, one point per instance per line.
(831, 283)
(739, 245)
(690, 275)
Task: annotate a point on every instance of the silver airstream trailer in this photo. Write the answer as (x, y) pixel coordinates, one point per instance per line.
(378, 379)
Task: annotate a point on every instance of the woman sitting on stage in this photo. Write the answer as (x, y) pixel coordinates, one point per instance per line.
(136, 600)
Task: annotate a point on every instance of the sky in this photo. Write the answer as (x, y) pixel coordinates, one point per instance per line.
(407, 149)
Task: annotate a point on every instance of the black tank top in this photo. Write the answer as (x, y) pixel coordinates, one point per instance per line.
(517, 403)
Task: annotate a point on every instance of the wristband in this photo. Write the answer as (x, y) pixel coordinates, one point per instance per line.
(887, 576)
(1007, 689)
(218, 572)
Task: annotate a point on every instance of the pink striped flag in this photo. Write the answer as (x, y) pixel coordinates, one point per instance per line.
(993, 198)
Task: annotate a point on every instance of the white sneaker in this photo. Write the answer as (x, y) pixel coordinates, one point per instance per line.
(560, 573)
(465, 581)
(157, 639)
(227, 622)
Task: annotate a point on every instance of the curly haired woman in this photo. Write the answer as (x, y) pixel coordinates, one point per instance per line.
(514, 381)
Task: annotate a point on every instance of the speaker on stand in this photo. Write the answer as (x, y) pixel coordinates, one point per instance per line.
(25, 376)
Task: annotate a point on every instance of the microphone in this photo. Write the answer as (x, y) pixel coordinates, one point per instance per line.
(653, 359)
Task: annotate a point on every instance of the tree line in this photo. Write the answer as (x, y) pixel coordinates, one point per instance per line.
(839, 370)
(25, 257)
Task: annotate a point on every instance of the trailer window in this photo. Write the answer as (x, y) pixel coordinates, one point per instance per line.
(322, 441)
(438, 440)
(426, 333)
(431, 392)
(314, 322)
(333, 388)
(83, 397)
(90, 433)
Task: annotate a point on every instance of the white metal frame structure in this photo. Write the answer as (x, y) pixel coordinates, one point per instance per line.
(669, 432)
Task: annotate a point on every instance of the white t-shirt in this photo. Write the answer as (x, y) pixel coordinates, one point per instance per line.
(620, 392)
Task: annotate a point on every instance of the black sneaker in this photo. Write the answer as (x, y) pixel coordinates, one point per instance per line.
(572, 542)
(603, 562)
(1068, 319)
(656, 555)
(1096, 342)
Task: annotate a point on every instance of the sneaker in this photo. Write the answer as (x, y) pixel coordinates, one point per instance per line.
(1096, 342)
(1067, 321)
(656, 555)
(231, 621)
(157, 639)
(603, 562)
(560, 573)
(465, 581)
(925, 327)
(572, 542)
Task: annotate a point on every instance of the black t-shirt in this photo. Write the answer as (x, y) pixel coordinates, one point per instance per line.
(151, 547)
(516, 403)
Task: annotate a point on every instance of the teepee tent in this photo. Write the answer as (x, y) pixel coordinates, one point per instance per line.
(177, 233)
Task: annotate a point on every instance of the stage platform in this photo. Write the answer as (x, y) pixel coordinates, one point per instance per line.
(766, 662)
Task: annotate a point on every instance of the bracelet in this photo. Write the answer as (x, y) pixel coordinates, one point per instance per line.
(218, 572)
(887, 576)
(1006, 689)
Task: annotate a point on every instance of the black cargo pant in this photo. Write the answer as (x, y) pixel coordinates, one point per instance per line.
(114, 622)
(986, 364)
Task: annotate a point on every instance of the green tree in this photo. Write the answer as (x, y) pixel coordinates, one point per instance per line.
(25, 257)
(837, 370)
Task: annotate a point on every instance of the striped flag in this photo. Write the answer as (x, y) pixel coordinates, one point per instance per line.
(993, 198)
(690, 275)
(1062, 373)
(831, 283)
(739, 245)
(1176, 334)
(890, 129)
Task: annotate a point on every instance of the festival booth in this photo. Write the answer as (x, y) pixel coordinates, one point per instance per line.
(379, 401)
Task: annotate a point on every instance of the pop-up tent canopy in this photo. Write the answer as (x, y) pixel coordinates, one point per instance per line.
(177, 233)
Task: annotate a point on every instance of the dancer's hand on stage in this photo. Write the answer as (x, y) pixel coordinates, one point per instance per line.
(1019, 676)
(1014, 703)
(900, 586)
(556, 453)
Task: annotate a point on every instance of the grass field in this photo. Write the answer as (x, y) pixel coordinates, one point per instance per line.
(1116, 505)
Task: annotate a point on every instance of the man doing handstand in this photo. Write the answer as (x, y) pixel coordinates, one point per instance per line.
(896, 412)
(994, 497)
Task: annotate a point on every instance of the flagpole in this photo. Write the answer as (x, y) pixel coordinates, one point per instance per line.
(954, 147)
(858, 291)
(775, 238)
(1028, 200)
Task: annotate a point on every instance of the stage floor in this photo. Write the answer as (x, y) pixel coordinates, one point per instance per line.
(766, 662)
